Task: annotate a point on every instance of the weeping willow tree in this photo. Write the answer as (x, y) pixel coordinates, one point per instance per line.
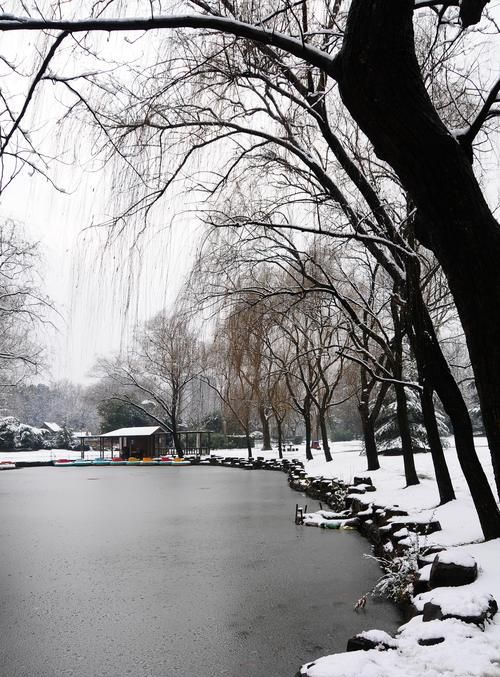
(23, 308)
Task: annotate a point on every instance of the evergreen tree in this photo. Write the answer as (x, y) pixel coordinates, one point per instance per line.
(115, 414)
(15, 435)
(387, 431)
(29, 437)
(64, 438)
(9, 427)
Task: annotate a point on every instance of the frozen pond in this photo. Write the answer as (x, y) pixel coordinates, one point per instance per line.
(171, 572)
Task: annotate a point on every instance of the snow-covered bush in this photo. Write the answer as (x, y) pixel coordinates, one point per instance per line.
(15, 435)
(338, 494)
(400, 573)
(64, 438)
(29, 437)
(9, 427)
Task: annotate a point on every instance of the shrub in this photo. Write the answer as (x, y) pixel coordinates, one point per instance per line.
(338, 495)
(400, 574)
(64, 439)
(14, 434)
(220, 441)
(29, 437)
(9, 427)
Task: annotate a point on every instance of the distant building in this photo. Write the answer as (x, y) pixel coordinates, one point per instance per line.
(151, 441)
(139, 441)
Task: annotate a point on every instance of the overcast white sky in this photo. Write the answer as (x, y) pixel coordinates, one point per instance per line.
(100, 301)
(100, 294)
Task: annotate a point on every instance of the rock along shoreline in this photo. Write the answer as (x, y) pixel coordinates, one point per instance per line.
(442, 601)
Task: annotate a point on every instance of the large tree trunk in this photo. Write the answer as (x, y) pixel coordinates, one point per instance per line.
(381, 85)
(308, 432)
(437, 375)
(452, 400)
(266, 441)
(404, 432)
(415, 328)
(279, 428)
(443, 479)
(176, 438)
(368, 436)
(249, 443)
(401, 401)
(324, 435)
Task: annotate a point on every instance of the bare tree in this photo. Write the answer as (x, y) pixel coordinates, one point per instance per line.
(231, 373)
(23, 307)
(279, 402)
(302, 344)
(166, 360)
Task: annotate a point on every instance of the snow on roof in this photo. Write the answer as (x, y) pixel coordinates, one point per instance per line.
(53, 427)
(142, 431)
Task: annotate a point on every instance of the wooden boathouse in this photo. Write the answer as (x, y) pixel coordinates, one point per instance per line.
(151, 442)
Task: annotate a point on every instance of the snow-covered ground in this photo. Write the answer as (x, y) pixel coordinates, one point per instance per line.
(468, 651)
(44, 455)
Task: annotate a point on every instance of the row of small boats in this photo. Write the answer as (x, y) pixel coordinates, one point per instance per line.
(162, 460)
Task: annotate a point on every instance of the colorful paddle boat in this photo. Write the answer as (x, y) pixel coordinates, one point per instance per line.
(165, 460)
(180, 461)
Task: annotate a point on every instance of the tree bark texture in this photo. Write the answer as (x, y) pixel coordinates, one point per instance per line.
(436, 373)
(381, 85)
(266, 441)
(443, 479)
(324, 435)
(249, 443)
(415, 315)
(368, 437)
(308, 434)
(279, 428)
(176, 438)
(404, 432)
(399, 322)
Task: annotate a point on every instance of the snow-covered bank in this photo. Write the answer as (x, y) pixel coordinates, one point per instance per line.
(467, 650)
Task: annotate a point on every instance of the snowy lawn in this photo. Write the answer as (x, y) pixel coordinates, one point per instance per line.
(44, 455)
(467, 651)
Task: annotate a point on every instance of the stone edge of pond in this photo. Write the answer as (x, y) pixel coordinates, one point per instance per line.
(392, 533)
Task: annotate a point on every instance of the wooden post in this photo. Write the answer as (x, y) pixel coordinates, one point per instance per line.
(299, 514)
